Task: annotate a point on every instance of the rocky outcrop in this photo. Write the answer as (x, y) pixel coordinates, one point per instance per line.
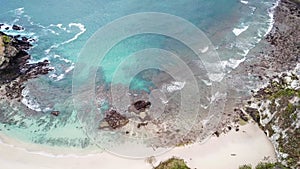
(139, 106)
(142, 124)
(274, 105)
(2, 58)
(276, 109)
(114, 120)
(172, 163)
(284, 37)
(14, 66)
(277, 103)
(254, 113)
(241, 115)
(17, 27)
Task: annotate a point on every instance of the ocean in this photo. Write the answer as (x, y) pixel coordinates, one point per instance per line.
(61, 30)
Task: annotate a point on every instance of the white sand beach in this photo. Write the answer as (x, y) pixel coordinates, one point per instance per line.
(248, 146)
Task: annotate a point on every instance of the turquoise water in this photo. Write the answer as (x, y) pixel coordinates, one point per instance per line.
(61, 29)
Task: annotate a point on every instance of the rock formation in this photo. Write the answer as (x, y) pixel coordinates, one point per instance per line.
(14, 66)
(115, 120)
(55, 113)
(139, 106)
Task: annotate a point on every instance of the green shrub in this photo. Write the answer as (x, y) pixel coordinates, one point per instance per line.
(6, 39)
(265, 166)
(280, 166)
(290, 108)
(172, 163)
(284, 93)
(245, 167)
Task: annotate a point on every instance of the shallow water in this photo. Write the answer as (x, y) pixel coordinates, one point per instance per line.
(61, 29)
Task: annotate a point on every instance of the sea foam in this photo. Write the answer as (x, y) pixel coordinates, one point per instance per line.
(238, 31)
(244, 2)
(174, 86)
(271, 15)
(29, 102)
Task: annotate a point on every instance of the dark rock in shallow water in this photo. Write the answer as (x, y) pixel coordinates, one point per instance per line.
(6, 28)
(141, 105)
(16, 27)
(21, 45)
(115, 120)
(142, 124)
(17, 36)
(24, 39)
(55, 113)
(216, 133)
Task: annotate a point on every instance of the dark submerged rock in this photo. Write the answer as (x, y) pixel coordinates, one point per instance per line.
(24, 39)
(115, 120)
(141, 105)
(216, 133)
(16, 27)
(55, 113)
(142, 124)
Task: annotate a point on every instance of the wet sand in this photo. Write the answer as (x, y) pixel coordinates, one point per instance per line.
(248, 146)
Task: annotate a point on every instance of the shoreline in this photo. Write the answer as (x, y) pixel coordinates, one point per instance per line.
(47, 150)
(274, 62)
(229, 148)
(213, 149)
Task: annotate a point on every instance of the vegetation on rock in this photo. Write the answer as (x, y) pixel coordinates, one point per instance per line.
(14, 67)
(245, 167)
(172, 163)
(265, 165)
(6, 39)
(276, 108)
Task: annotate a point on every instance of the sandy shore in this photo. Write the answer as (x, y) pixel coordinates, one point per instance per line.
(248, 146)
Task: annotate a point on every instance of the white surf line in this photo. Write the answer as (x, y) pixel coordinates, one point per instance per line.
(238, 31)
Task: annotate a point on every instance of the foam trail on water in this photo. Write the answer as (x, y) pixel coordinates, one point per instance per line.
(245, 44)
(271, 15)
(174, 86)
(70, 68)
(79, 25)
(207, 82)
(82, 30)
(233, 63)
(29, 102)
(244, 2)
(238, 31)
(204, 49)
(19, 11)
